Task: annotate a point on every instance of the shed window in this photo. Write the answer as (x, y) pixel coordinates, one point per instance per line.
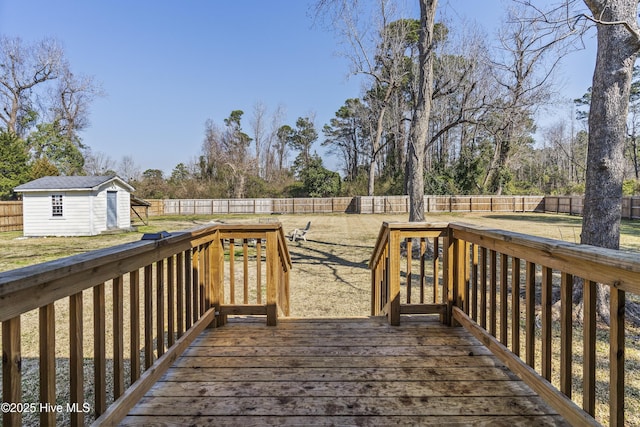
(56, 205)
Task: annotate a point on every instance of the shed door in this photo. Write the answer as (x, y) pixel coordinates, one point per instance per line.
(112, 209)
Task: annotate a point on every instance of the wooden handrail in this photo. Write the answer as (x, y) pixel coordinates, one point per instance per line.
(173, 287)
(485, 272)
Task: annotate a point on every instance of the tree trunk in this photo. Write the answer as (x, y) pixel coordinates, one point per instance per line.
(372, 177)
(419, 130)
(617, 50)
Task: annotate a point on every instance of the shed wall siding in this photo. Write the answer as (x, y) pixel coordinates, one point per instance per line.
(84, 212)
(75, 220)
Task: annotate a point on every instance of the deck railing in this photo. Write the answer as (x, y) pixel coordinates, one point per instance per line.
(413, 287)
(140, 305)
(515, 293)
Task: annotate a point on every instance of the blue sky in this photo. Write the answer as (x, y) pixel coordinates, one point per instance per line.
(168, 65)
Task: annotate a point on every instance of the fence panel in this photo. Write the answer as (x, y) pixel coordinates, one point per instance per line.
(10, 216)
(11, 212)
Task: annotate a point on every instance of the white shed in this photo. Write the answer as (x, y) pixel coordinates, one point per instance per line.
(75, 205)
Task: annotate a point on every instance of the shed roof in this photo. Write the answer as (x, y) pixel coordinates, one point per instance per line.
(69, 183)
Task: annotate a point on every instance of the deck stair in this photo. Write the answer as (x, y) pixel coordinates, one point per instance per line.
(355, 371)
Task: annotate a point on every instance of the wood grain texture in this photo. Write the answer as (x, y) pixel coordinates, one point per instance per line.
(358, 371)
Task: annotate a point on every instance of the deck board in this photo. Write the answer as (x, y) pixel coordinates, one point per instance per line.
(339, 372)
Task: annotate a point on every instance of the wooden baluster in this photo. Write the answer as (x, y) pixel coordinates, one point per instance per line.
(515, 306)
(11, 375)
(118, 337)
(409, 246)
(547, 283)
(287, 290)
(436, 273)
(530, 310)
(504, 294)
(195, 283)
(203, 282)
(467, 276)
(448, 269)
(188, 288)
(474, 282)
(422, 268)
(76, 358)
(148, 316)
(47, 325)
(134, 311)
(384, 295)
(99, 350)
(232, 272)
(566, 332)
(245, 277)
(160, 307)
(171, 304)
(616, 355)
(205, 290)
(180, 310)
(589, 348)
(483, 287)
(493, 283)
(458, 273)
(259, 270)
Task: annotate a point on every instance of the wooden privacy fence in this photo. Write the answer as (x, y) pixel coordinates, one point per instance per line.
(358, 204)
(505, 287)
(146, 302)
(573, 205)
(11, 212)
(11, 216)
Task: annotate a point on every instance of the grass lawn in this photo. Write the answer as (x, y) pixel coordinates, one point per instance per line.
(330, 276)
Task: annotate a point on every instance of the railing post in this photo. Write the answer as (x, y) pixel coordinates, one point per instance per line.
(272, 278)
(394, 278)
(448, 267)
(217, 277)
(458, 274)
(11, 375)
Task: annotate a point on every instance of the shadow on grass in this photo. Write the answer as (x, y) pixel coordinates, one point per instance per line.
(313, 253)
(546, 219)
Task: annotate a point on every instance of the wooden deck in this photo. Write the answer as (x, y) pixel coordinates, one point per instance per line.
(339, 372)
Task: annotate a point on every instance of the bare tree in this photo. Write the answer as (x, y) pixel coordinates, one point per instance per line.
(419, 131)
(258, 126)
(98, 163)
(128, 169)
(71, 100)
(377, 51)
(277, 149)
(528, 55)
(23, 67)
